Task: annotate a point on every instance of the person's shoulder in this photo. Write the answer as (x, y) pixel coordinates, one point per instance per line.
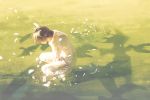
(59, 33)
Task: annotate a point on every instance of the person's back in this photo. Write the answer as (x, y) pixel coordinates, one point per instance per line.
(60, 60)
(62, 47)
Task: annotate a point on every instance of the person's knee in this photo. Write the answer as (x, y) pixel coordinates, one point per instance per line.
(45, 56)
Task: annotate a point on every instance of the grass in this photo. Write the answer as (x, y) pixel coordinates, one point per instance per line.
(86, 23)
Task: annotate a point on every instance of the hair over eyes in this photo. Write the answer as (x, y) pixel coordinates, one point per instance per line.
(42, 33)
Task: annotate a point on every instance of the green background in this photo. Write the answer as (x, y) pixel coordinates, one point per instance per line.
(104, 33)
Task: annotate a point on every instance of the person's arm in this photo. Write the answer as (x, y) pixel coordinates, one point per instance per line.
(56, 49)
(58, 44)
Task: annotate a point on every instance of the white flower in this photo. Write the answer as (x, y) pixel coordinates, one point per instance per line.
(15, 40)
(86, 19)
(63, 79)
(30, 71)
(80, 68)
(30, 53)
(72, 30)
(16, 34)
(85, 29)
(75, 83)
(22, 57)
(93, 49)
(9, 60)
(1, 57)
(13, 53)
(15, 11)
(76, 32)
(83, 74)
(47, 84)
(44, 79)
(55, 84)
(37, 59)
(33, 77)
(54, 78)
(76, 75)
(62, 76)
(38, 66)
(7, 18)
(96, 70)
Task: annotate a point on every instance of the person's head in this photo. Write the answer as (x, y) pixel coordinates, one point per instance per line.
(42, 35)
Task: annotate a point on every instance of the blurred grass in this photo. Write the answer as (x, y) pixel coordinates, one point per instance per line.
(85, 22)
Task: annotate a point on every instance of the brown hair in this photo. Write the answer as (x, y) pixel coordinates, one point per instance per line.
(42, 33)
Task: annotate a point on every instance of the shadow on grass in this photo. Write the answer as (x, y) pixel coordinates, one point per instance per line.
(141, 47)
(83, 50)
(32, 48)
(25, 37)
(16, 83)
(27, 50)
(57, 95)
(31, 92)
(119, 67)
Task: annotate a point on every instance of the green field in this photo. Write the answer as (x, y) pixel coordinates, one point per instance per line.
(111, 35)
